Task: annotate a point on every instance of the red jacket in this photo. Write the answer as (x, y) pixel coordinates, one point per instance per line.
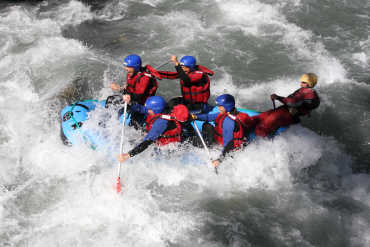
(143, 84)
(171, 134)
(304, 100)
(243, 125)
(197, 89)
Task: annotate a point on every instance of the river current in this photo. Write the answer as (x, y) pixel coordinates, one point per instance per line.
(308, 187)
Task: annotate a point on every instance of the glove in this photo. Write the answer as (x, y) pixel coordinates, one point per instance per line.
(274, 96)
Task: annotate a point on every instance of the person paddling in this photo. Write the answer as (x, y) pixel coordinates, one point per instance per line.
(194, 83)
(231, 127)
(141, 83)
(298, 104)
(162, 128)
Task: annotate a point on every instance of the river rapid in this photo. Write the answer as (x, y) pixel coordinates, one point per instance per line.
(308, 187)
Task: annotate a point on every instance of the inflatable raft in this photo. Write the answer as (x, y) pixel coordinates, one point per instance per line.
(73, 117)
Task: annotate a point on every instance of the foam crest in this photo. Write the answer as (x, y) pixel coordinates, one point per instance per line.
(266, 21)
(37, 62)
(20, 28)
(113, 11)
(71, 13)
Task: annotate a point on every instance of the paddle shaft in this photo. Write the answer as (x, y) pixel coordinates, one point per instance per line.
(273, 104)
(204, 144)
(163, 64)
(121, 148)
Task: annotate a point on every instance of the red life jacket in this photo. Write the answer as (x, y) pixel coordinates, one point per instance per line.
(143, 83)
(199, 92)
(243, 125)
(171, 134)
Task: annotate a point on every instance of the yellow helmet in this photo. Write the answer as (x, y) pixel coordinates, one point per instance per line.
(310, 79)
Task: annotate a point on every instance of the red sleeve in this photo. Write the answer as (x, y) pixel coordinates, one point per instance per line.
(294, 100)
(168, 74)
(153, 71)
(298, 97)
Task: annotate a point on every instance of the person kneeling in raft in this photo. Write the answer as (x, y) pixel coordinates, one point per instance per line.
(231, 127)
(162, 129)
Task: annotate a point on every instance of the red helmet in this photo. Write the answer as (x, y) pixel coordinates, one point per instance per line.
(181, 113)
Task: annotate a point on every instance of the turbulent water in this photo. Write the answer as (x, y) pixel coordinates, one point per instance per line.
(308, 187)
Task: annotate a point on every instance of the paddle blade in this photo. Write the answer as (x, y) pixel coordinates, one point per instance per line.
(118, 185)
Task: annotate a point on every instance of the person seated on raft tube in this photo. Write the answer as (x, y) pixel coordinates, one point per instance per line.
(194, 82)
(141, 83)
(162, 129)
(299, 103)
(231, 127)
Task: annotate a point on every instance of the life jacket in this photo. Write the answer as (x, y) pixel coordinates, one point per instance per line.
(171, 134)
(134, 86)
(243, 125)
(310, 102)
(199, 92)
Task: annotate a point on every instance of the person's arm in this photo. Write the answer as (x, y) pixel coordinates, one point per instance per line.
(186, 79)
(183, 76)
(228, 127)
(228, 136)
(208, 117)
(138, 108)
(152, 71)
(140, 148)
(168, 74)
(301, 96)
(159, 126)
(294, 100)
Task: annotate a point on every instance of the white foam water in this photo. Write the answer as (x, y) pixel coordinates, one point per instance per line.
(295, 190)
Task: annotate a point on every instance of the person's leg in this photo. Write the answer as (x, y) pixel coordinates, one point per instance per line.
(187, 132)
(270, 121)
(208, 133)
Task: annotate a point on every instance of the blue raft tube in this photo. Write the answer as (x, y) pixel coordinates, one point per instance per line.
(74, 116)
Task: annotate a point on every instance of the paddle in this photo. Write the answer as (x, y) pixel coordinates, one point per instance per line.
(273, 103)
(118, 185)
(163, 64)
(204, 144)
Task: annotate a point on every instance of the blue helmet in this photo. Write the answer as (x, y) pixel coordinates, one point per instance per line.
(133, 61)
(155, 103)
(227, 101)
(188, 61)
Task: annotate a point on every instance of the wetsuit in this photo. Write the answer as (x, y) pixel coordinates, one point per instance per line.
(299, 103)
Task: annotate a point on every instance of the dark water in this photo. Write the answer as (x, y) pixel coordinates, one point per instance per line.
(309, 187)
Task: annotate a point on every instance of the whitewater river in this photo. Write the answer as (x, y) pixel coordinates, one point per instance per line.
(308, 187)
